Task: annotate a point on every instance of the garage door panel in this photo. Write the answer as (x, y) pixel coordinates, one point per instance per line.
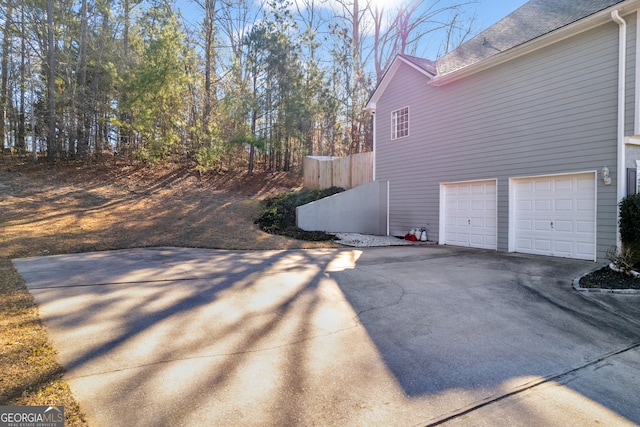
(585, 185)
(561, 184)
(479, 205)
(481, 241)
(478, 190)
(562, 221)
(463, 205)
(584, 226)
(542, 185)
(563, 226)
(542, 205)
(542, 245)
(524, 186)
(476, 240)
(463, 190)
(524, 205)
(563, 246)
(542, 225)
(470, 214)
(564, 205)
(476, 223)
(525, 224)
(524, 243)
(460, 239)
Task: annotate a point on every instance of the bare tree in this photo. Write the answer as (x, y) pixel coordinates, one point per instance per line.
(402, 30)
(458, 31)
(357, 88)
(313, 20)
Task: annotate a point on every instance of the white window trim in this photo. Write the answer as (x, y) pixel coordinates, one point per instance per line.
(394, 128)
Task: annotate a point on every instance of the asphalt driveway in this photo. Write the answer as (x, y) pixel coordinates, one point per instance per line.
(395, 336)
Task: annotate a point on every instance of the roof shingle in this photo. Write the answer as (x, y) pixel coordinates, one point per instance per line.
(424, 64)
(534, 19)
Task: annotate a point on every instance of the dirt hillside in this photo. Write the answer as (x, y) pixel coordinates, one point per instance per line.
(78, 208)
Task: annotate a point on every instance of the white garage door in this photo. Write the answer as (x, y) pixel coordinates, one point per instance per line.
(470, 214)
(556, 215)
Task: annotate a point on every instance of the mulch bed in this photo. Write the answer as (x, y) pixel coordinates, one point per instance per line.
(606, 278)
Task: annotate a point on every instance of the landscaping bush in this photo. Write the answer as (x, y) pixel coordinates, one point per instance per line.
(278, 214)
(630, 224)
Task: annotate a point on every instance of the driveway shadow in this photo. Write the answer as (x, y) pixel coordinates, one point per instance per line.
(447, 319)
(385, 336)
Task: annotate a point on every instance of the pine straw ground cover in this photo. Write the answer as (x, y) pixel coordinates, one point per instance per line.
(78, 208)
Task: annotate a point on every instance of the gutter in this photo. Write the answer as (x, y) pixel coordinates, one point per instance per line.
(622, 69)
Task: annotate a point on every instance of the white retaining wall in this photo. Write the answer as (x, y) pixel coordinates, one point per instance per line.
(363, 209)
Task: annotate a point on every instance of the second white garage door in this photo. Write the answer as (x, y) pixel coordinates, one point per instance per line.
(468, 214)
(555, 215)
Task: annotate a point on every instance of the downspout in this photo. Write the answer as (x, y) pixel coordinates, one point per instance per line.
(373, 119)
(622, 70)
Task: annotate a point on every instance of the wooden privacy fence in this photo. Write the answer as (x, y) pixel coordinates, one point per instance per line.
(346, 172)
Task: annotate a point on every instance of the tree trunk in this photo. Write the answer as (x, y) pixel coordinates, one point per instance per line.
(287, 154)
(93, 115)
(4, 98)
(20, 141)
(81, 102)
(52, 144)
(209, 90)
(357, 79)
(126, 136)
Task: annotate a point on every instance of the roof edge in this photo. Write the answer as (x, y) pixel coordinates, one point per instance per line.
(555, 36)
(424, 66)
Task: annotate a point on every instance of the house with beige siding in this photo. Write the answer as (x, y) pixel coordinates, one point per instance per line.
(523, 139)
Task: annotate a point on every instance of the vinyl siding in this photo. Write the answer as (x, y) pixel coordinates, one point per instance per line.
(631, 74)
(553, 111)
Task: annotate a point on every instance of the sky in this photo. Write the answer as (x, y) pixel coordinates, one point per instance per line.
(488, 12)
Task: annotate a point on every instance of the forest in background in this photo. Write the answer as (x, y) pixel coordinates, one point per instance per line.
(237, 83)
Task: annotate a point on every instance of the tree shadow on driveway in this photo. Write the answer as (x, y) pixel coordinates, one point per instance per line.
(452, 322)
(400, 336)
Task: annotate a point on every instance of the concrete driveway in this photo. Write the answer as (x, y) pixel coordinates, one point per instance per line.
(395, 336)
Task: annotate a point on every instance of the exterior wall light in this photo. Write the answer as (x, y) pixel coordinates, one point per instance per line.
(605, 176)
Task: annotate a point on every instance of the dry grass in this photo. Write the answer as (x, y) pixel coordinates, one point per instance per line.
(76, 208)
(31, 374)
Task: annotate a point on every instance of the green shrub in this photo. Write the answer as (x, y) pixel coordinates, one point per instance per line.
(278, 214)
(630, 224)
(208, 158)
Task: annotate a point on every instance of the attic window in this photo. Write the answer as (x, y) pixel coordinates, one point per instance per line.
(400, 123)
